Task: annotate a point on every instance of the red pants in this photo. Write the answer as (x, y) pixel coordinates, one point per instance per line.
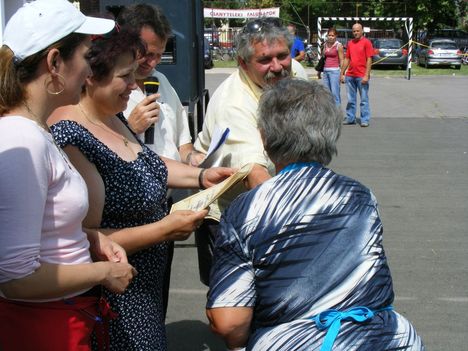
(50, 326)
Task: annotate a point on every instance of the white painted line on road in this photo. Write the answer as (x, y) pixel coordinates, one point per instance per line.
(454, 299)
(405, 298)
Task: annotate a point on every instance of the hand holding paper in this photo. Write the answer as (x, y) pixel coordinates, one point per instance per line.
(204, 198)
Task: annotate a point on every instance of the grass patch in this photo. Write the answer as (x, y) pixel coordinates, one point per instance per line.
(386, 71)
(225, 64)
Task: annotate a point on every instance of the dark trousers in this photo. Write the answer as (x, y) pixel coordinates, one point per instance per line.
(204, 238)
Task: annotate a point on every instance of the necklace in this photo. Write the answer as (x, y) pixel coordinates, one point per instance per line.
(108, 130)
(36, 118)
(46, 128)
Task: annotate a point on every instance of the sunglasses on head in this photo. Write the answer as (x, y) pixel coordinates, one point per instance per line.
(258, 24)
(106, 35)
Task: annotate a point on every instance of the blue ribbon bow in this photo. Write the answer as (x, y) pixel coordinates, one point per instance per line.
(331, 320)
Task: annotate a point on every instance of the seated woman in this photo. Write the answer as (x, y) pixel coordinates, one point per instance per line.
(299, 262)
(127, 185)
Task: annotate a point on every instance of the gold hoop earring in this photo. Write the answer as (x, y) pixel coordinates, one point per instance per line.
(60, 84)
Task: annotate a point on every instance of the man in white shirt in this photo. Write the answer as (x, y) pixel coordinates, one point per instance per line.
(263, 49)
(172, 137)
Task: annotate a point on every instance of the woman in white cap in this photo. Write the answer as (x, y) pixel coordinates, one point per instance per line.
(46, 270)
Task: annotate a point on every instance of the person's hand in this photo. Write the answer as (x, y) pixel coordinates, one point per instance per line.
(342, 79)
(194, 158)
(103, 248)
(144, 114)
(183, 223)
(365, 79)
(215, 175)
(116, 276)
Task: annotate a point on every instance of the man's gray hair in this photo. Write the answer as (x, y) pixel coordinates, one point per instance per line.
(245, 40)
(299, 122)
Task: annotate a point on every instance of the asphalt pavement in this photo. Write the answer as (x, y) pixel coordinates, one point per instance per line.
(414, 156)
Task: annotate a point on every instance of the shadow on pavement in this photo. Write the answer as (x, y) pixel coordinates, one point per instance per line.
(192, 335)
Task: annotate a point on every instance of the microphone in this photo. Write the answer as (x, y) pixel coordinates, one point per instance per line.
(151, 85)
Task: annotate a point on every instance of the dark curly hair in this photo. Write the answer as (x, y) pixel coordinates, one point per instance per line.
(138, 16)
(105, 49)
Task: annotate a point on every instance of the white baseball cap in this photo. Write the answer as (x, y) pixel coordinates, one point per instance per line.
(38, 24)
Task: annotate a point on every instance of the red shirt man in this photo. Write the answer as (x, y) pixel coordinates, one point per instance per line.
(357, 65)
(358, 52)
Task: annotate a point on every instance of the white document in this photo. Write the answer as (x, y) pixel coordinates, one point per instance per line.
(214, 157)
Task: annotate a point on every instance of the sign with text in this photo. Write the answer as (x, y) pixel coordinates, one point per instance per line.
(241, 13)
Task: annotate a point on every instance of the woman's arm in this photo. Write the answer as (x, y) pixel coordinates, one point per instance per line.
(176, 226)
(103, 248)
(232, 324)
(184, 176)
(340, 54)
(54, 281)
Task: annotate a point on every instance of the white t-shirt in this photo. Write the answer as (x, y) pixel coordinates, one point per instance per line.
(172, 129)
(43, 200)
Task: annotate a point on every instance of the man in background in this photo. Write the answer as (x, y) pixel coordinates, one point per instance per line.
(297, 49)
(357, 66)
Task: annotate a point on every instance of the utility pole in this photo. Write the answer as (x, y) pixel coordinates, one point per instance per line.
(357, 9)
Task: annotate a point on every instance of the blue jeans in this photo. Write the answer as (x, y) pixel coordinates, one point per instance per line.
(353, 85)
(331, 79)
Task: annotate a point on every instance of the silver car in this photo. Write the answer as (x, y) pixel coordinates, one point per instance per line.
(440, 52)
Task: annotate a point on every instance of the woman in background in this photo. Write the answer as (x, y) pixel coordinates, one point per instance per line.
(46, 271)
(334, 55)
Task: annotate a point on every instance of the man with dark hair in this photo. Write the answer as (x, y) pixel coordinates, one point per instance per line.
(172, 134)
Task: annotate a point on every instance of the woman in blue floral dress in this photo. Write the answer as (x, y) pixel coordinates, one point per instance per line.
(298, 261)
(127, 185)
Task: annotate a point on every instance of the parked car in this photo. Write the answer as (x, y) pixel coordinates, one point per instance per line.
(440, 52)
(208, 57)
(460, 37)
(389, 52)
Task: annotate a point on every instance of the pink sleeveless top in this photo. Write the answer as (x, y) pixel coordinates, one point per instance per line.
(332, 60)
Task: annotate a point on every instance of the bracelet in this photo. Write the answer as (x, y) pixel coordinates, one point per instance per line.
(200, 179)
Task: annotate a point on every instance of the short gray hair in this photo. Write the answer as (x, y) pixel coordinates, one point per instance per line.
(299, 122)
(245, 40)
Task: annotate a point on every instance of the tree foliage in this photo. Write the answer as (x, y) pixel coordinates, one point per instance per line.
(427, 14)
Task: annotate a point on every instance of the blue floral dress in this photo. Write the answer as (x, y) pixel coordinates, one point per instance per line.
(300, 245)
(135, 195)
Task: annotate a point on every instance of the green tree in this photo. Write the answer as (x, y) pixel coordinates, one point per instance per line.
(427, 14)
